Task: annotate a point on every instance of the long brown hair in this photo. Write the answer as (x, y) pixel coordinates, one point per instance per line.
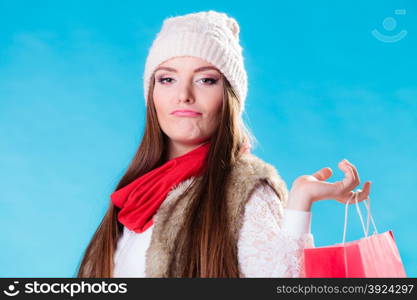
(206, 245)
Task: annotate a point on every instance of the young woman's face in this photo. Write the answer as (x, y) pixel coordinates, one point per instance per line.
(188, 96)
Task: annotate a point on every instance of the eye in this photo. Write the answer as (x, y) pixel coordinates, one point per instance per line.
(162, 80)
(206, 81)
(211, 81)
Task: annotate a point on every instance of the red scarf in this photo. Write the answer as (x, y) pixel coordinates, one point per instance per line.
(140, 199)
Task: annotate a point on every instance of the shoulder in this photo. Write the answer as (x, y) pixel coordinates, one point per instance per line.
(250, 172)
(251, 176)
(264, 202)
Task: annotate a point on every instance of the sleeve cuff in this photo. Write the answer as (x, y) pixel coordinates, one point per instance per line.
(296, 222)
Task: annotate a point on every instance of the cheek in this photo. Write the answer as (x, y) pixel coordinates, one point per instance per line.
(161, 105)
(157, 97)
(213, 113)
(214, 106)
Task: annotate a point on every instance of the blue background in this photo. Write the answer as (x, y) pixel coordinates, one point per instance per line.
(321, 88)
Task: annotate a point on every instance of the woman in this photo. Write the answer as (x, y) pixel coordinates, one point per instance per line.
(194, 201)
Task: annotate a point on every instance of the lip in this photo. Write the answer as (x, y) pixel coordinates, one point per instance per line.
(186, 113)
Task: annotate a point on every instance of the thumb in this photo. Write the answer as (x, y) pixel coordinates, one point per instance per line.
(323, 174)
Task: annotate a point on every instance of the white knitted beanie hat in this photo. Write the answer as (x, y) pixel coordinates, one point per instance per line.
(209, 35)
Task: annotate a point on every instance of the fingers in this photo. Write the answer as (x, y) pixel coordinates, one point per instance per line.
(355, 171)
(342, 190)
(351, 179)
(323, 174)
(362, 194)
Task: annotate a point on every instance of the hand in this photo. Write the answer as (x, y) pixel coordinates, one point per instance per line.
(307, 189)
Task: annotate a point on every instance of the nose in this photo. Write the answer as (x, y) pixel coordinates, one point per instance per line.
(185, 93)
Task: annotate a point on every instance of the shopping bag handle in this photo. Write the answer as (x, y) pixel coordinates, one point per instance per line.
(369, 218)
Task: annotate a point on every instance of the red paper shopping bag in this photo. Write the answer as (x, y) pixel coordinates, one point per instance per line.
(376, 255)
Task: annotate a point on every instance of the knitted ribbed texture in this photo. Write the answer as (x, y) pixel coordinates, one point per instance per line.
(211, 36)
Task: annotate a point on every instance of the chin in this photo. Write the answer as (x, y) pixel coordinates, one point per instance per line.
(189, 141)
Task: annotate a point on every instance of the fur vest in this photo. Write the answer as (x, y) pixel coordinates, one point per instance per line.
(246, 174)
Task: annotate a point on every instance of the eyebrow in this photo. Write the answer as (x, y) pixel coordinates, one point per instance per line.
(201, 69)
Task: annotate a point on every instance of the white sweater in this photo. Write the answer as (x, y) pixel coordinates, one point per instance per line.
(267, 247)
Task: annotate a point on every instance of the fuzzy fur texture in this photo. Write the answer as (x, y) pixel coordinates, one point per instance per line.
(247, 173)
